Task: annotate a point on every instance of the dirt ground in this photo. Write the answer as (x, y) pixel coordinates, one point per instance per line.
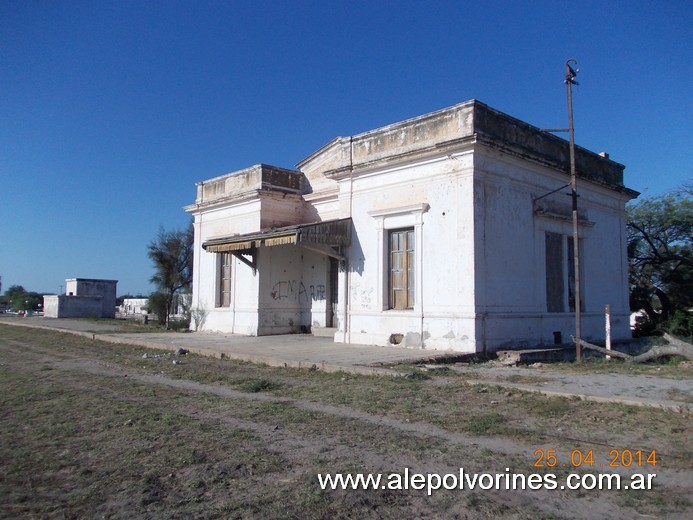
(92, 429)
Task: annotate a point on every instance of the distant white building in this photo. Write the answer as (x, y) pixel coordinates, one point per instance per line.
(134, 306)
(451, 230)
(83, 298)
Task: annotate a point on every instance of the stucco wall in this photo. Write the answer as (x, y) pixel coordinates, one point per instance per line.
(105, 289)
(294, 290)
(511, 261)
(435, 198)
(241, 317)
(481, 254)
(64, 306)
(51, 306)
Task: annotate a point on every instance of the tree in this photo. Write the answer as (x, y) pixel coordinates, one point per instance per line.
(22, 300)
(15, 292)
(172, 255)
(660, 254)
(159, 305)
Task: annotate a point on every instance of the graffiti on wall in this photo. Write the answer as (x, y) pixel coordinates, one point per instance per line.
(297, 291)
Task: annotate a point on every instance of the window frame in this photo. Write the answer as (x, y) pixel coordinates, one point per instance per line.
(554, 272)
(402, 268)
(393, 219)
(224, 280)
(561, 272)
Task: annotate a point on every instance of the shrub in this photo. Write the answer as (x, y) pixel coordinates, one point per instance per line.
(680, 324)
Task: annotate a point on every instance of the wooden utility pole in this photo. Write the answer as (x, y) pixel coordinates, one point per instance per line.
(570, 74)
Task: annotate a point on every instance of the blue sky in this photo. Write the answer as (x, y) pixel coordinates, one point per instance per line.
(110, 112)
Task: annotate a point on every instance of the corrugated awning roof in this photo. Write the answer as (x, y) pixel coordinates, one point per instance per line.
(329, 233)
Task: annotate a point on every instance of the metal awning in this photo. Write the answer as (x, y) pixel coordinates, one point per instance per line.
(319, 236)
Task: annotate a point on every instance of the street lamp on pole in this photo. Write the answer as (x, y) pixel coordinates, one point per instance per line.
(570, 74)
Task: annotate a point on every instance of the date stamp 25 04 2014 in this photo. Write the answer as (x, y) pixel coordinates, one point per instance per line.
(548, 458)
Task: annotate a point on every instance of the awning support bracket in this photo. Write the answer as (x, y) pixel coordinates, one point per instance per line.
(252, 263)
(322, 249)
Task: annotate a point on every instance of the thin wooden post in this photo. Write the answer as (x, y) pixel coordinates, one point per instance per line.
(608, 328)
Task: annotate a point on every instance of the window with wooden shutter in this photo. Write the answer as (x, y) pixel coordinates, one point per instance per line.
(224, 280)
(402, 269)
(560, 274)
(554, 272)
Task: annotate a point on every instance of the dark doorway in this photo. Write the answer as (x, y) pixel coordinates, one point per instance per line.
(333, 284)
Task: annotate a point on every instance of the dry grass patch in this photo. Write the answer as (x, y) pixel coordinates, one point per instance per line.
(102, 444)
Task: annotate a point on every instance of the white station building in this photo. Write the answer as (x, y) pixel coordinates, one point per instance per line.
(452, 230)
